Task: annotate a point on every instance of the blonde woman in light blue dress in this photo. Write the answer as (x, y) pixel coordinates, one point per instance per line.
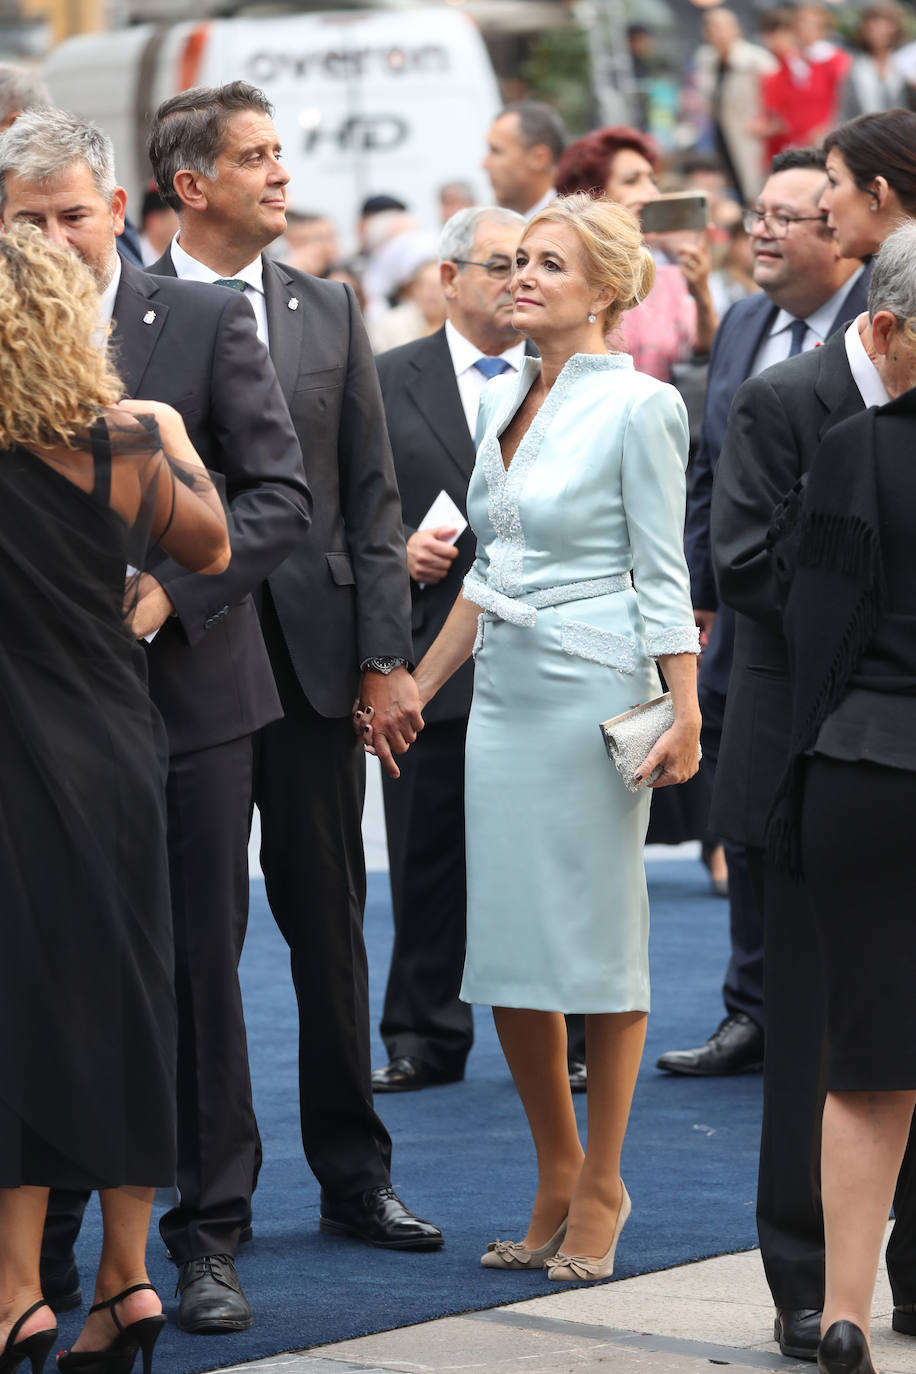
(579, 587)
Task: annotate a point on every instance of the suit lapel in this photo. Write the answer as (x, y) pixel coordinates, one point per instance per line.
(284, 324)
(744, 347)
(138, 320)
(434, 391)
(834, 385)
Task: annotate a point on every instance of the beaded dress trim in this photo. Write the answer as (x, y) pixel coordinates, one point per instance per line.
(505, 487)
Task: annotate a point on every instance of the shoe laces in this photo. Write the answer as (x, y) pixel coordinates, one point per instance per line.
(213, 1265)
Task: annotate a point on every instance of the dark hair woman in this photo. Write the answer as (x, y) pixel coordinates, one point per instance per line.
(871, 180)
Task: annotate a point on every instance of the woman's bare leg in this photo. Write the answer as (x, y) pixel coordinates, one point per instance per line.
(534, 1043)
(22, 1221)
(864, 1137)
(613, 1050)
(125, 1229)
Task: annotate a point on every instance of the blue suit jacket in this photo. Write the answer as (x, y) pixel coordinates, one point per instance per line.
(742, 330)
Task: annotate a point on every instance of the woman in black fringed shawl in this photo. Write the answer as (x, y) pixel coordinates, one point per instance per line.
(844, 817)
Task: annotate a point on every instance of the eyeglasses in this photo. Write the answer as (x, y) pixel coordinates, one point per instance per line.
(497, 268)
(777, 226)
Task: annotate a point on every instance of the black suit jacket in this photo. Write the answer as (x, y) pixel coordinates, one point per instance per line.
(196, 347)
(342, 593)
(777, 421)
(433, 451)
(744, 327)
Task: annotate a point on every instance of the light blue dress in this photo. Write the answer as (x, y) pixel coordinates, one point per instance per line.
(593, 501)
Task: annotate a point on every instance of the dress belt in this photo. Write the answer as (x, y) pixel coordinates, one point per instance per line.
(523, 610)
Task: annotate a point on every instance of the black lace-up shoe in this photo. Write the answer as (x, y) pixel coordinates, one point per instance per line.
(211, 1297)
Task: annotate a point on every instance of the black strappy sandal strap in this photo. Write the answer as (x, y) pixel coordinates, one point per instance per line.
(20, 1323)
(111, 1303)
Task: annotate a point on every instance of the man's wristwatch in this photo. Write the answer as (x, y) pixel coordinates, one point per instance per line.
(383, 664)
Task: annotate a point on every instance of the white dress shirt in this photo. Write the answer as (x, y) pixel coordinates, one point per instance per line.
(775, 347)
(189, 269)
(542, 203)
(471, 382)
(864, 373)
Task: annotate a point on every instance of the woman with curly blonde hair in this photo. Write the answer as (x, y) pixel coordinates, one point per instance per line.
(87, 1092)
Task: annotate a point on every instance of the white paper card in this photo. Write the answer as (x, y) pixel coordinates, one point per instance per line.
(443, 511)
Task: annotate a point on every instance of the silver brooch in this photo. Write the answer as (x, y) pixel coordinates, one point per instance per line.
(149, 317)
(292, 303)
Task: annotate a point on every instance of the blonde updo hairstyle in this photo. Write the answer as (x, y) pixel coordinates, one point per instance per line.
(54, 378)
(614, 254)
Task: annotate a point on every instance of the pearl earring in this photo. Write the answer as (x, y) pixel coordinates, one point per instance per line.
(592, 319)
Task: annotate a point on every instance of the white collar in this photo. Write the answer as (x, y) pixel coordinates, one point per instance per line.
(465, 354)
(107, 298)
(864, 373)
(191, 269)
(820, 320)
(541, 204)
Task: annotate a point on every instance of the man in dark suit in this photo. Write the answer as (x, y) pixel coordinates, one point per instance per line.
(777, 421)
(209, 676)
(336, 618)
(431, 389)
(803, 282)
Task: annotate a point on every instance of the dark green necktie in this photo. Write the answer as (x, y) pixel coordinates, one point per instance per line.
(234, 283)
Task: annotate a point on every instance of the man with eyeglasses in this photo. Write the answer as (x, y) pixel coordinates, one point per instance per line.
(431, 390)
(765, 443)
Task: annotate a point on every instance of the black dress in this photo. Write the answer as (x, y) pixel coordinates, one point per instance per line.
(87, 1014)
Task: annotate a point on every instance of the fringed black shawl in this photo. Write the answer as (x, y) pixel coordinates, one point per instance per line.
(833, 606)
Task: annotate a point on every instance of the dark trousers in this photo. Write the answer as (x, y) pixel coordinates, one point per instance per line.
(743, 986)
(208, 805)
(424, 819)
(310, 777)
(790, 1220)
(208, 795)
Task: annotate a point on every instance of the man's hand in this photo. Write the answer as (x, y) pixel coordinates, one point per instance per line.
(395, 714)
(704, 621)
(151, 606)
(430, 553)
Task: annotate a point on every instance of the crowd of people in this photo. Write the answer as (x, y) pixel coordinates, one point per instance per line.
(240, 551)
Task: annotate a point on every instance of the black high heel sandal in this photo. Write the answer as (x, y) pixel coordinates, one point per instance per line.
(34, 1347)
(844, 1350)
(119, 1357)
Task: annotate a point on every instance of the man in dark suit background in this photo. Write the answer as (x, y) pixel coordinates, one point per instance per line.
(209, 676)
(336, 618)
(431, 390)
(777, 421)
(807, 294)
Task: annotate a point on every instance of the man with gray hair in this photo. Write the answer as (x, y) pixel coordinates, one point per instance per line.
(524, 144)
(431, 389)
(196, 348)
(336, 619)
(20, 90)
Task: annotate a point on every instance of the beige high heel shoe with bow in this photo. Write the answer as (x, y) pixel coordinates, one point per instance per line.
(580, 1269)
(512, 1254)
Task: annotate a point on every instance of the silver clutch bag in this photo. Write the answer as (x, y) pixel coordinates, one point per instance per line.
(629, 738)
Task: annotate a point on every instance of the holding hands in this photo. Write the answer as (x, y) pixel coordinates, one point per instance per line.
(386, 716)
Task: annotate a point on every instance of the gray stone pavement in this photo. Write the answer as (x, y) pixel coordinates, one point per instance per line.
(701, 1316)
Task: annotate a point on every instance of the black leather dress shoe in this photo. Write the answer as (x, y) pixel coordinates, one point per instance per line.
(407, 1075)
(211, 1297)
(60, 1285)
(904, 1319)
(578, 1075)
(735, 1046)
(378, 1217)
(844, 1350)
(798, 1331)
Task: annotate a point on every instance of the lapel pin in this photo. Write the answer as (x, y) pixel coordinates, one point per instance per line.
(149, 317)
(292, 303)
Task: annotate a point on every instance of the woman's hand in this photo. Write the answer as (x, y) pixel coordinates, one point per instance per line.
(678, 753)
(693, 258)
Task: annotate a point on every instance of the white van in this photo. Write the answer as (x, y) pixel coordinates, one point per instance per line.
(366, 101)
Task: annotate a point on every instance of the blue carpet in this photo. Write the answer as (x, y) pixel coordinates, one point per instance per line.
(462, 1156)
